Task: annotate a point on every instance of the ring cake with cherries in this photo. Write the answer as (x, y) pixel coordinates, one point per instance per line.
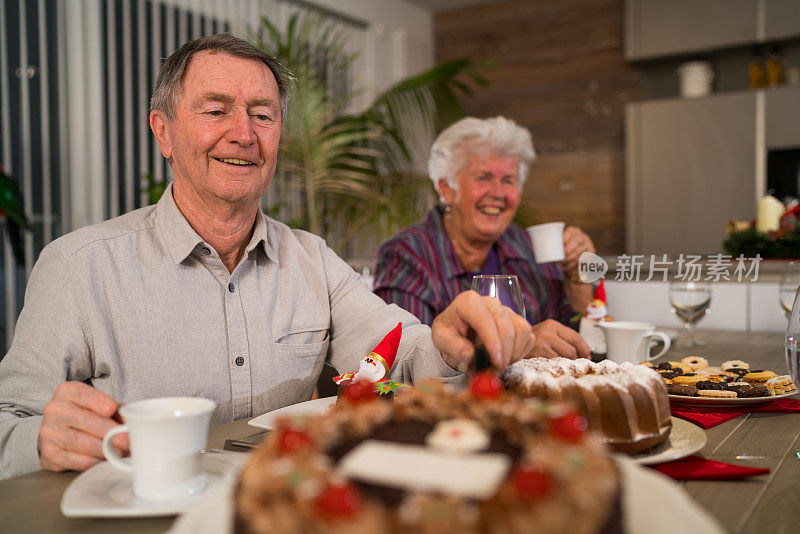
(432, 461)
(627, 403)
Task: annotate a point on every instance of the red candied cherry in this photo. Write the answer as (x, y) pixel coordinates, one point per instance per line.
(291, 440)
(531, 483)
(338, 501)
(486, 385)
(358, 392)
(569, 427)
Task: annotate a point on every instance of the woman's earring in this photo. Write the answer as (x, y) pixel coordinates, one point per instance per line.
(447, 209)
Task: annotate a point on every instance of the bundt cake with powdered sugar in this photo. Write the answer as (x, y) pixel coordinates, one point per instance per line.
(627, 403)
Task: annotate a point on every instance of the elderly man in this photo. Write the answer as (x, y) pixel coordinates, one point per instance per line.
(202, 294)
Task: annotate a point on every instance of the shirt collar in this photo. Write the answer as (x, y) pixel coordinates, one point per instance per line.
(509, 245)
(181, 240)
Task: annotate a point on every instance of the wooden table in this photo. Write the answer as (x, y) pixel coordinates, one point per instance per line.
(30, 503)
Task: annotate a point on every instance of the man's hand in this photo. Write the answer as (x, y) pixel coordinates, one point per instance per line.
(576, 242)
(554, 339)
(75, 421)
(506, 335)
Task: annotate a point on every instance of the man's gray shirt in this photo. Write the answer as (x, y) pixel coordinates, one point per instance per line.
(140, 306)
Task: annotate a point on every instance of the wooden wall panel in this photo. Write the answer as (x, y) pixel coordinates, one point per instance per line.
(559, 71)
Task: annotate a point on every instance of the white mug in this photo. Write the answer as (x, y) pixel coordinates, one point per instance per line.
(167, 435)
(548, 241)
(629, 341)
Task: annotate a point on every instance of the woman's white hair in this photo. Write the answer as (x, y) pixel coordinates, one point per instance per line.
(496, 134)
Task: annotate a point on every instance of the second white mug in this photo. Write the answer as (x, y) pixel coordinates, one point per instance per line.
(629, 341)
(548, 241)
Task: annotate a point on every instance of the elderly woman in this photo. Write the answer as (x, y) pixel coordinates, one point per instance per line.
(479, 166)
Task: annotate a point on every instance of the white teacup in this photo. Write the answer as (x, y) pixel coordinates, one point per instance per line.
(166, 435)
(548, 241)
(629, 341)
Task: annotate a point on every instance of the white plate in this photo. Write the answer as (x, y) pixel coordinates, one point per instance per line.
(315, 407)
(684, 439)
(649, 501)
(733, 401)
(105, 491)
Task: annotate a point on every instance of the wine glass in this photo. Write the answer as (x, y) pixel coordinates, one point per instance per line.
(788, 286)
(690, 302)
(504, 288)
(793, 340)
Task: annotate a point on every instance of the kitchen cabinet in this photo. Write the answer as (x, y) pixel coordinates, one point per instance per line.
(690, 167)
(782, 122)
(660, 28)
(655, 28)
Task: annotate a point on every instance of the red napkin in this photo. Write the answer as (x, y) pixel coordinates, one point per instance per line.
(709, 416)
(698, 468)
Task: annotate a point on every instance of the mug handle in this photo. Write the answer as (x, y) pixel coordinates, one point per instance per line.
(664, 337)
(111, 454)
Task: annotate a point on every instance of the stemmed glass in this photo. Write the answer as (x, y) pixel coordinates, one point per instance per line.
(788, 286)
(503, 287)
(690, 302)
(506, 289)
(793, 340)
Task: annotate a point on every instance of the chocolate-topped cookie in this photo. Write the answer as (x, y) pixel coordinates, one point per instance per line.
(683, 389)
(748, 390)
(709, 384)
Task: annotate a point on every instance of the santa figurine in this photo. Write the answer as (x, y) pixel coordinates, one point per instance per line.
(375, 366)
(595, 313)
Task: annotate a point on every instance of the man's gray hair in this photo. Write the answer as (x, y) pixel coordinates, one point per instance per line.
(170, 77)
(496, 134)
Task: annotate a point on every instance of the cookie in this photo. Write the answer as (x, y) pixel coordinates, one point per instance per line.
(689, 379)
(694, 362)
(708, 384)
(780, 384)
(748, 391)
(683, 389)
(667, 374)
(647, 364)
(737, 371)
(759, 376)
(716, 393)
(678, 365)
(734, 364)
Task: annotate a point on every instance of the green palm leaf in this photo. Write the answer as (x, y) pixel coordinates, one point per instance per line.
(353, 169)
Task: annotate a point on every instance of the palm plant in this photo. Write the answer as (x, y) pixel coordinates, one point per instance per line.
(353, 170)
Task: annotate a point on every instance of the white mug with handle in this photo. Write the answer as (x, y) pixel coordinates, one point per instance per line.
(167, 436)
(629, 341)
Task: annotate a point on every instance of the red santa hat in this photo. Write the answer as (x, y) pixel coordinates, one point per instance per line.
(386, 351)
(600, 292)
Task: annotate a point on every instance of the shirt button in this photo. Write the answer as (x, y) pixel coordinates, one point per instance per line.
(231, 287)
(206, 251)
(239, 361)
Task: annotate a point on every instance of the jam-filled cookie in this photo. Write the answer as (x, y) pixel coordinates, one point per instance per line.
(734, 364)
(695, 362)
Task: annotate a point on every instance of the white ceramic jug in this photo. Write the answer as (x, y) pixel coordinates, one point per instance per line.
(629, 341)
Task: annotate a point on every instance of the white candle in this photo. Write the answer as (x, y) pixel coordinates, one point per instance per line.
(768, 214)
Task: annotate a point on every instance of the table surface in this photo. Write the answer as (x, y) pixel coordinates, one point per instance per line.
(30, 503)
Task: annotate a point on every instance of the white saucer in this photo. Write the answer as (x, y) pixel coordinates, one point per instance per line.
(684, 439)
(316, 406)
(105, 491)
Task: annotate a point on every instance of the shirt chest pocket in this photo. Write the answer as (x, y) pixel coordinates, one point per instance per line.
(300, 353)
